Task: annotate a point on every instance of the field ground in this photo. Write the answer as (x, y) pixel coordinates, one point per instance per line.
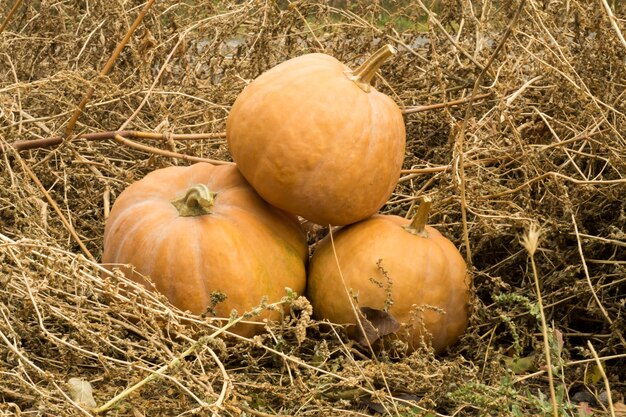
(532, 138)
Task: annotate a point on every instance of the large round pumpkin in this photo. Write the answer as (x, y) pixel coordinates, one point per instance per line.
(316, 139)
(201, 230)
(389, 264)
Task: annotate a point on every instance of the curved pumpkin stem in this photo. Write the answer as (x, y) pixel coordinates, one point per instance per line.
(418, 224)
(197, 201)
(364, 75)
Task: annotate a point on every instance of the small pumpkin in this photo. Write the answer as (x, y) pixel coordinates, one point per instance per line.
(391, 264)
(311, 135)
(201, 230)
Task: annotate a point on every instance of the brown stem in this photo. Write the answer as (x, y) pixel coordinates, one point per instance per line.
(198, 201)
(10, 15)
(23, 145)
(418, 224)
(169, 154)
(364, 75)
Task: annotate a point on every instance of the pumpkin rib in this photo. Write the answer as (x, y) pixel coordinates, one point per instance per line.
(204, 260)
(138, 204)
(237, 224)
(227, 206)
(164, 267)
(233, 241)
(292, 247)
(197, 256)
(196, 288)
(156, 236)
(445, 331)
(317, 174)
(128, 234)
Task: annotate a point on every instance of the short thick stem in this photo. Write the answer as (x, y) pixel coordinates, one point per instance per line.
(364, 75)
(197, 201)
(418, 224)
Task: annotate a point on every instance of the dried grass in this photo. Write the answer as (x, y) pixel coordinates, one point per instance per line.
(542, 144)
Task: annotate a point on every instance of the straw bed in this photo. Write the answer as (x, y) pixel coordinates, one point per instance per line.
(540, 145)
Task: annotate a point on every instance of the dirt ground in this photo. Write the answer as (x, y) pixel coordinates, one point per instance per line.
(516, 123)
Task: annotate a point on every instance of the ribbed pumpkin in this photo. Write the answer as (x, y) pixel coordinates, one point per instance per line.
(316, 139)
(392, 264)
(200, 230)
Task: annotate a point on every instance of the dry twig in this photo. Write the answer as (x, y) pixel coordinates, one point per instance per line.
(56, 140)
(8, 17)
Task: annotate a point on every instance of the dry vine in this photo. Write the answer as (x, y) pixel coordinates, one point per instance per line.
(531, 122)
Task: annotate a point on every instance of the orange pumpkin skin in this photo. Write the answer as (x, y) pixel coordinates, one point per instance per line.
(310, 140)
(424, 272)
(244, 248)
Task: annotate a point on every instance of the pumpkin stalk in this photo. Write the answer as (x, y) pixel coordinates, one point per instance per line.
(364, 75)
(418, 224)
(197, 201)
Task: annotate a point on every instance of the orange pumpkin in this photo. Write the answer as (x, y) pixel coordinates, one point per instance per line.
(391, 264)
(316, 139)
(202, 230)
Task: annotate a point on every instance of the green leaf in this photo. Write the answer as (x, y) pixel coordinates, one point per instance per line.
(522, 365)
(593, 376)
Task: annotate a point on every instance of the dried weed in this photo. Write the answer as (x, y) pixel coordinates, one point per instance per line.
(544, 143)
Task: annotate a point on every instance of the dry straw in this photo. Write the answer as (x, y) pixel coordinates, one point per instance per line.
(508, 122)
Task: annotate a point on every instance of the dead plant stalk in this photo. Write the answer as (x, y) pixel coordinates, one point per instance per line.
(165, 153)
(23, 145)
(531, 242)
(607, 385)
(10, 15)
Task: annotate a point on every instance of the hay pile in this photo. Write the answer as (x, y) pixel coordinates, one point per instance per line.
(541, 144)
